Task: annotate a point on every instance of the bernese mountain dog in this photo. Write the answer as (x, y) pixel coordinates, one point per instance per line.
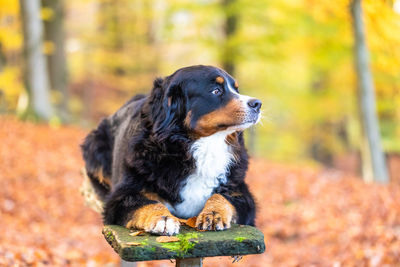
(175, 153)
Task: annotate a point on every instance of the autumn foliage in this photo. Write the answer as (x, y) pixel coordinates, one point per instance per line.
(309, 216)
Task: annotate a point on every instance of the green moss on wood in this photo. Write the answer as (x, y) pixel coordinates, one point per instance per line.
(239, 240)
(184, 245)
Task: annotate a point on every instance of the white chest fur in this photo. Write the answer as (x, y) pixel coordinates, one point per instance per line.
(213, 157)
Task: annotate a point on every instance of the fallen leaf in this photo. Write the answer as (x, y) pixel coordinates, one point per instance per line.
(136, 233)
(182, 221)
(166, 239)
(133, 243)
(191, 222)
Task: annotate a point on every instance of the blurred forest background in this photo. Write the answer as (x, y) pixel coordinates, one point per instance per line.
(331, 113)
(297, 56)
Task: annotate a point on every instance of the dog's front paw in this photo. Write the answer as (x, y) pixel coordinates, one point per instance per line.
(164, 225)
(217, 214)
(213, 220)
(156, 219)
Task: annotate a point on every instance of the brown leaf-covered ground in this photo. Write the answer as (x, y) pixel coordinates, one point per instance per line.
(309, 216)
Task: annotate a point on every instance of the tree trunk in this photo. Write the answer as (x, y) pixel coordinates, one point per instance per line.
(373, 159)
(231, 20)
(36, 76)
(57, 64)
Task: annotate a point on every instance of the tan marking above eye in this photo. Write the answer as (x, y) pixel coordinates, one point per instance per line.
(219, 80)
(236, 85)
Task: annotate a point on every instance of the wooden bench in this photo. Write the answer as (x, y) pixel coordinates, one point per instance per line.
(191, 248)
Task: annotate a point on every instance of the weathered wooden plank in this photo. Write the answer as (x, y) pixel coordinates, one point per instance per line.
(238, 240)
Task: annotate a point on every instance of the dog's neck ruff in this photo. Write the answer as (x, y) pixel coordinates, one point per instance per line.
(213, 157)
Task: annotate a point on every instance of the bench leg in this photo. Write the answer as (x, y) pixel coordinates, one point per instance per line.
(128, 264)
(190, 262)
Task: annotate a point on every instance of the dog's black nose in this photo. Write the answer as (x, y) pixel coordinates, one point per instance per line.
(255, 104)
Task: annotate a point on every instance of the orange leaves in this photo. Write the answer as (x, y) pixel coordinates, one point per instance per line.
(309, 216)
(191, 222)
(167, 239)
(41, 209)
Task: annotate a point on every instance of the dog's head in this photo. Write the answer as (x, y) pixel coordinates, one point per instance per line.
(205, 100)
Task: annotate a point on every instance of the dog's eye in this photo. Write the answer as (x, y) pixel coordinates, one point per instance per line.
(216, 91)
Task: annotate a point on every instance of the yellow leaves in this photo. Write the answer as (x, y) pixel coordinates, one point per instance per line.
(282, 49)
(9, 7)
(48, 47)
(10, 36)
(324, 10)
(8, 78)
(11, 85)
(46, 13)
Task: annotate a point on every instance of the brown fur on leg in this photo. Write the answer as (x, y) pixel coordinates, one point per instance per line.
(154, 218)
(217, 214)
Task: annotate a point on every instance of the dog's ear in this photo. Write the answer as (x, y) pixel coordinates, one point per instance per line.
(171, 108)
(176, 101)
